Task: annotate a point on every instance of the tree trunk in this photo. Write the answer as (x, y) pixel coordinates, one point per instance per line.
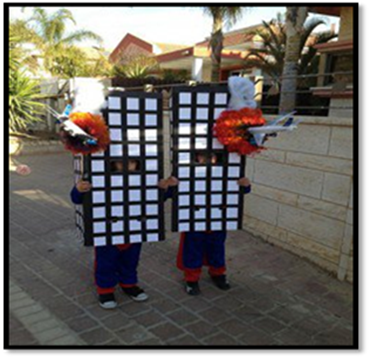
(216, 49)
(295, 18)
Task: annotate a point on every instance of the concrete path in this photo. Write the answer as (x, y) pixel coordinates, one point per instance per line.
(277, 299)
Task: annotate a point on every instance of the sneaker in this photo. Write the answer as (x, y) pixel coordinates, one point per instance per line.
(192, 288)
(136, 293)
(221, 282)
(107, 301)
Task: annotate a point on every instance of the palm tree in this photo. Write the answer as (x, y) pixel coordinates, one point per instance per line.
(221, 15)
(295, 18)
(270, 57)
(51, 37)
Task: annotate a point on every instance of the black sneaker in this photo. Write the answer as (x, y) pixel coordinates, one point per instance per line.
(221, 282)
(192, 288)
(107, 301)
(136, 293)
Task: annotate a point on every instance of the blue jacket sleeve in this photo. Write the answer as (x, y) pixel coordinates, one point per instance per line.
(169, 193)
(247, 189)
(76, 196)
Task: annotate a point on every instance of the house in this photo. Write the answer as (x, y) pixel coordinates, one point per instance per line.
(196, 58)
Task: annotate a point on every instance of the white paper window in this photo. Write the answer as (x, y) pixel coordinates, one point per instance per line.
(98, 181)
(232, 199)
(217, 112)
(98, 213)
(133, 135)
(233, 172)
(216, 144)
(216, 213)
(100, 241)
(151, 150)
(232, 225)
(201, 226)
(99, 227)
(97, 166)
(152, 224)
(216, 185)
(232, 185)
(200, 214)
(185, 98)
(150, 104)
(116, 150)
(134, 195)
(151, 135)
(220, 98)
(232, 213)
(151, 165)
(115, 134)
(200, 172)
(217, 172)
(98, 197)
(117, 211)
(116, 181)
(201, 143)
(184, 227)
(135, 225)
(114, 102)
(202, 98)
(151, 179)
(184, 172)
(135, 239)
(184, 113)
(184, 186)
(150, 120)
(152, 237)
(133, 119)
(200, 185)
(184, 200)
(117, 226)
(116, 196)
(234, 158)
(134, 180)
(200, 200)
(114, 119)
(132, 104)
(216, 226)
(201, 129)
(184, 214)
(135, 210)
(184, 143)
(216, 199)
(185, 128)
(202, 113)
(133, 150)
(152, 195)
(118, 240)
(97, 154)
(184, 158)
(152, 210)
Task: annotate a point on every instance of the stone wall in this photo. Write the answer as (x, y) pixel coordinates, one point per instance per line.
(301, 196)
(302, 193)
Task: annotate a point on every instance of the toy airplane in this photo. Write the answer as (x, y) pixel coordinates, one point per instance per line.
(271, 129)
(71, 128)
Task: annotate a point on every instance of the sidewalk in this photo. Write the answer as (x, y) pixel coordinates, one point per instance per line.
(277, 299)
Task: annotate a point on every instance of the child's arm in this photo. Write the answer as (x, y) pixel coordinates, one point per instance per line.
(246, 184)
(78, 191)
(168, 184)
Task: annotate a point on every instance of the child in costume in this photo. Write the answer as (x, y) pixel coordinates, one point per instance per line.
(116, 264)
(202, 248)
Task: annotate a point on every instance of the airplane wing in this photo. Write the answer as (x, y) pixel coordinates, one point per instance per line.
(281, 118)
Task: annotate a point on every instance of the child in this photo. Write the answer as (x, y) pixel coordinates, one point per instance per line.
(198, 248)
(114, 264)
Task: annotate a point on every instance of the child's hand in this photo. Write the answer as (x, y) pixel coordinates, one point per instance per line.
(83, 186)
(172, 181)
(163, 184)
(244, 182)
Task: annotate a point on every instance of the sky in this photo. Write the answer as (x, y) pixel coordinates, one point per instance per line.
(178, 25)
